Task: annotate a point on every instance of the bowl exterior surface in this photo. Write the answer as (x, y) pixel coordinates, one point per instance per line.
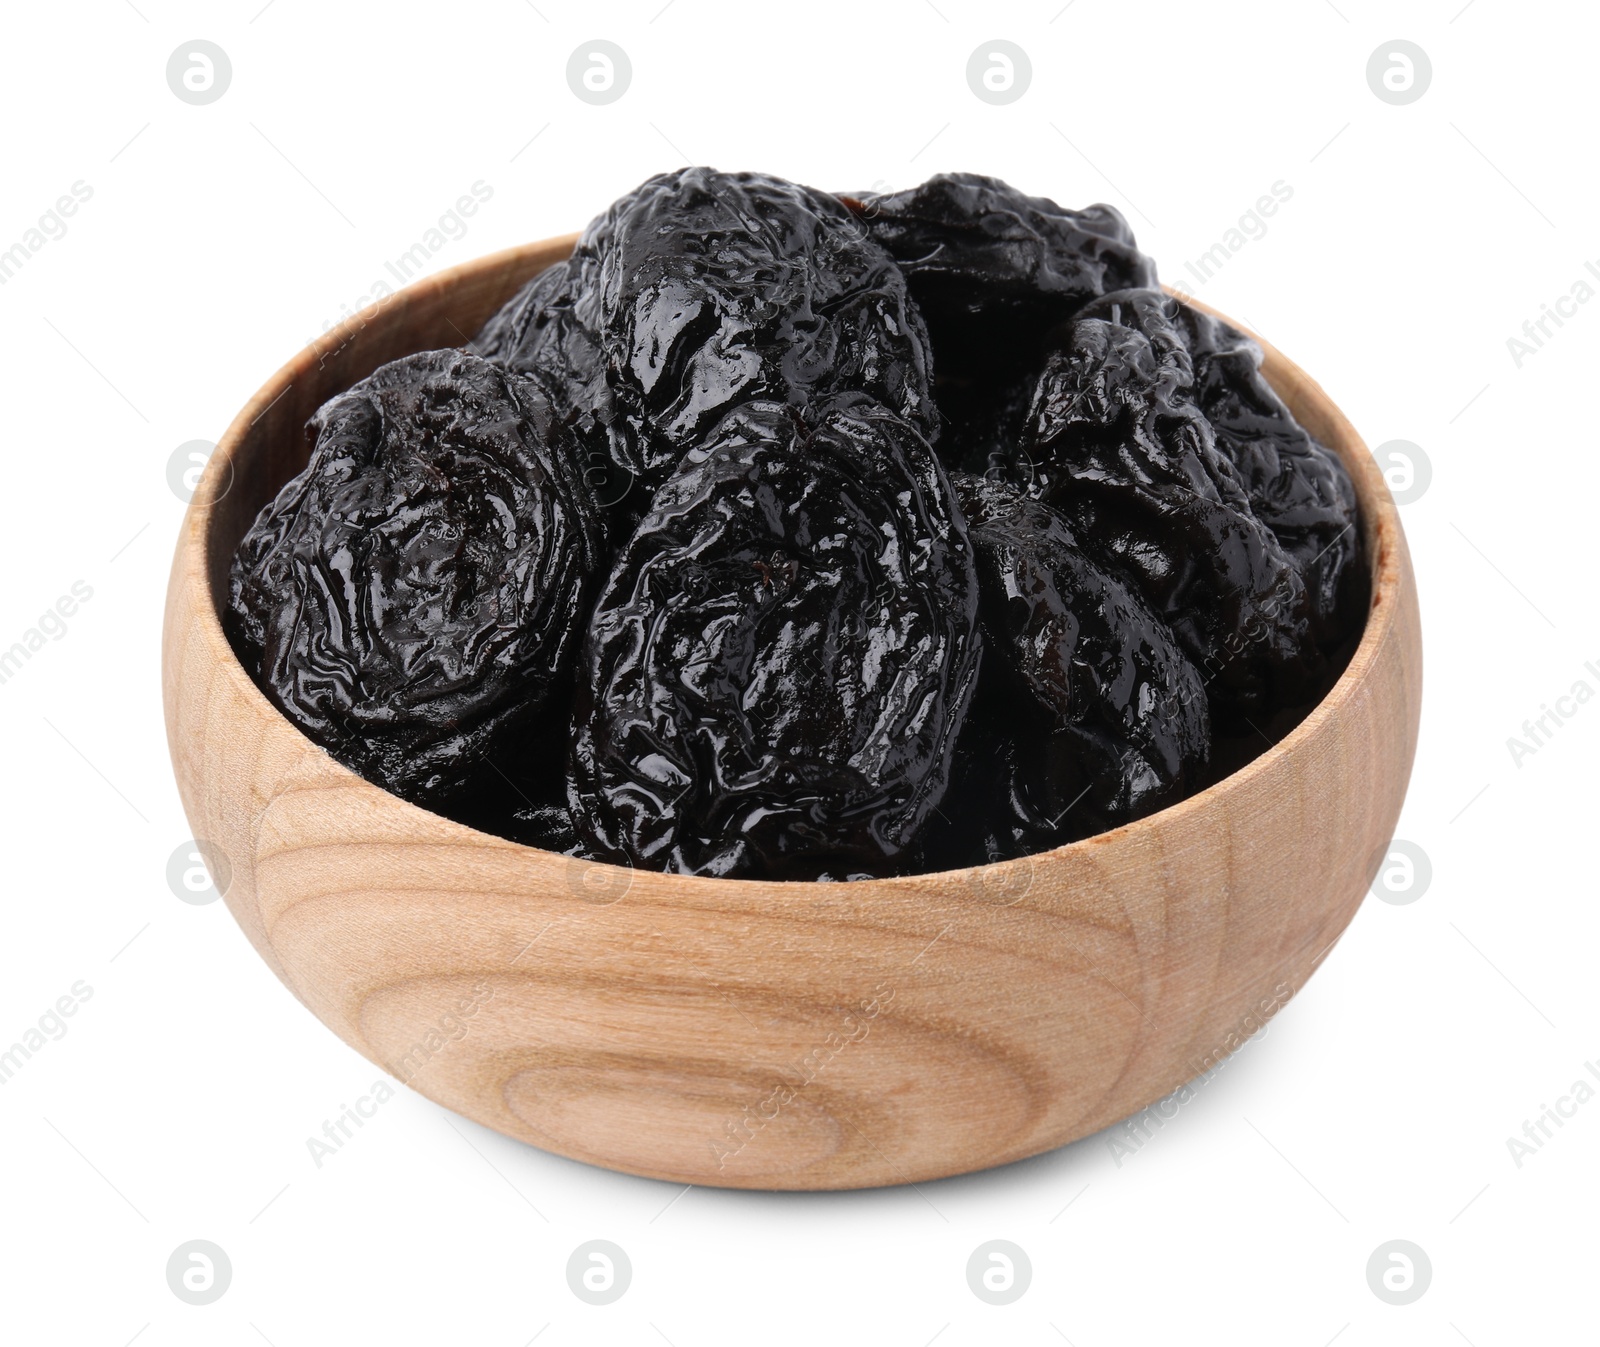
(759, 1035)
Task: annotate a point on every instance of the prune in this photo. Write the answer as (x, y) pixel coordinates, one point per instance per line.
(523, 331)
(1109, 716)
(1297, 488)
(818, 654)
(775, 672)
(540, 333)
(1117, 442)
(411, 598)
(703, 290)
(992, 271)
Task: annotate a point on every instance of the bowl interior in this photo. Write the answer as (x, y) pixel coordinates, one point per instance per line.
(266, 445)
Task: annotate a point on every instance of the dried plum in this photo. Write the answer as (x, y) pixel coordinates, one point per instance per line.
(1110, 717)
(992, 271)
(668, 569)
(523, 331)
(541, 334)
(776, 670)
(1297, 488)
(1117, 442)
(411, 598)
(703, 290)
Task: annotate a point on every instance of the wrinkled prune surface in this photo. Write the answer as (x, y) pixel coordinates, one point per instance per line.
(1117, 442)
(818, 654)
(776, 670)
(410, 599)
(992, 271)
(524, 332)
(541, 333)
(1297, 488)
(703, 290)
(1112, 717)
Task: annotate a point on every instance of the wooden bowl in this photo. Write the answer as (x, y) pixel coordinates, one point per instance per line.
(770, 1035)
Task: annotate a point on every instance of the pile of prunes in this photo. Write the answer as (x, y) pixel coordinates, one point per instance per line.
(785, 535)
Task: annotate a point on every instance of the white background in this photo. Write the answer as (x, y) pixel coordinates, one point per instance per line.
(1377, 1106)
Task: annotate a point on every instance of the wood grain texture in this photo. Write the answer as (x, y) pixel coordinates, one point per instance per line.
(763, 1035)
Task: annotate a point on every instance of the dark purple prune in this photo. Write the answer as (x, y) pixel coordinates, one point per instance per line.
(539, 333)
(1116, 441)
(1008, 792)
(521, 333)
(776, 670)
(1113, 714)
(993, 271)
(410, 599)
(980, 252)
(703, 290)
(1297, 488)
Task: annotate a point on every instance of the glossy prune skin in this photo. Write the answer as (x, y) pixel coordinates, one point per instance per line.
(411, 598)
(703, 290)
(1297, 487)
(1087, 715)
(992, 271)
(818, 654)
(524, 332)
(1114, 715)
(776, 670)
(541, 333)
(1116, 441)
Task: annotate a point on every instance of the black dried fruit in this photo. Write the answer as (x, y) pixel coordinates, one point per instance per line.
(777, 668)
(1116, 441)
(525, 330)
(1297, 488)
(541, 333)
(704, 290)
(1087, 714)
(992, 271)
(412, 597)
(818, 654)
(1108, 715)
